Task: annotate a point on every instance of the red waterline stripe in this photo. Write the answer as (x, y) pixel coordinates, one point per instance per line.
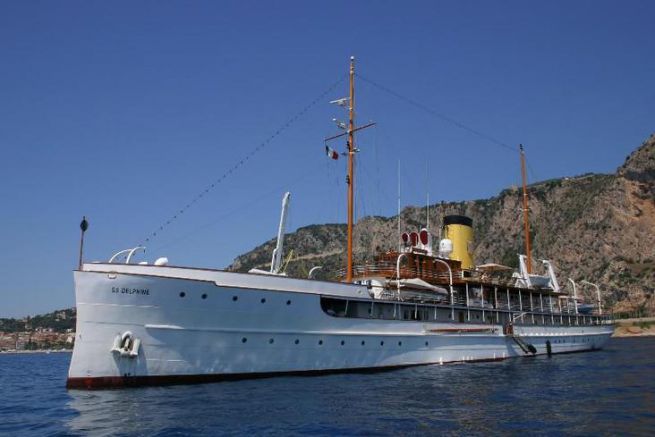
(110, 382)
(91, 383)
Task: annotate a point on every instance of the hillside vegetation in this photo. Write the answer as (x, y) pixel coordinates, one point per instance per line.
(599, 227)
(56, 321)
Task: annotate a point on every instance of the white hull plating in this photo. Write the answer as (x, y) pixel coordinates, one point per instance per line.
(196, 325)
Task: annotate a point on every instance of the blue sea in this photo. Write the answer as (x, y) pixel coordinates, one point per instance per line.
(608, 392)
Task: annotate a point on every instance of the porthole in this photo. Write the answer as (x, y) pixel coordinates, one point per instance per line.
(235, 298)
(263, 300)
(297, 341)
(204, 296)
(320, 342)
(270, 341)
(342, 342)
(288, 302)
(244, 339)
(400, 343)
(426, 343)
(182, 294)
(382, 343)
(363, 342)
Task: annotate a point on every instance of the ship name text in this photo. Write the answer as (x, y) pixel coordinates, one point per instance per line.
(128, 290)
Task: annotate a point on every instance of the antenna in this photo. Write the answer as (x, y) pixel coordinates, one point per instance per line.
(427, 213)
(340, 124)
(399, 241)
(427, 200)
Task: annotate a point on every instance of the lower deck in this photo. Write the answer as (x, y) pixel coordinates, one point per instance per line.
(426, 312)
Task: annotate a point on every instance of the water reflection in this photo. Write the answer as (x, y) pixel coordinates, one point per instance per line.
(579, 393)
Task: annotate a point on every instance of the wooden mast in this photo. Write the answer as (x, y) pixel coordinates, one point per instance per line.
(526, 222)
(350, 130)
(351, 164)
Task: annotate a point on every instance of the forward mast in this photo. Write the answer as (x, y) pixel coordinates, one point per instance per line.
(350, 151)
(351, 166)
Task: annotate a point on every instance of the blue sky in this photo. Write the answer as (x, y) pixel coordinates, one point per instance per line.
(125, 111)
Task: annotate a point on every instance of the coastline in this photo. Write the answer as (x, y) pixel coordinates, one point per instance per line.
(642, 327)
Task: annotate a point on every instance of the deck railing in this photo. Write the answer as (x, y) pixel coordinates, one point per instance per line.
(496, 291)
(387, 269)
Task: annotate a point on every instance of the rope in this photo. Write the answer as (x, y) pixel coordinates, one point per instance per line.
(239, 164)
(438, 114)
(252, 201)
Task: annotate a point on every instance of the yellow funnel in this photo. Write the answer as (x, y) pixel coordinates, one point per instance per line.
(459, 230)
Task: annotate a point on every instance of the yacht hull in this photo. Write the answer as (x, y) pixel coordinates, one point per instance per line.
(197, 325)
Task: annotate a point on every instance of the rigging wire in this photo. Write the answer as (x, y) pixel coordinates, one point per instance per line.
(333, 178)
(240, 163)
(378, 177)
(360, 206)
(362, 211)
(531, 172)
(438, 114)
(365, 211)
(252, 201)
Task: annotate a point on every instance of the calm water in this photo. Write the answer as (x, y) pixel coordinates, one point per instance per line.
(608, 392)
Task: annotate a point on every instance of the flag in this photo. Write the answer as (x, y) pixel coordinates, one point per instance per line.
(331, 153)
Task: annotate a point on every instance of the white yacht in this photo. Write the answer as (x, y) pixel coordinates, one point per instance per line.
(151, 324)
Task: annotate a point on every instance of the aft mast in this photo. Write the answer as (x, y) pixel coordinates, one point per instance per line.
(526, 222)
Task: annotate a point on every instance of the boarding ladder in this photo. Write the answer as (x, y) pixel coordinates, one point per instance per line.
(508, 330)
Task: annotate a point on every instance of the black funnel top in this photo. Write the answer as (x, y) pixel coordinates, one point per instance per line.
(457, 220)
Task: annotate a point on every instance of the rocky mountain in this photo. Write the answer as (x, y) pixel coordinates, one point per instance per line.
(599, 227)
